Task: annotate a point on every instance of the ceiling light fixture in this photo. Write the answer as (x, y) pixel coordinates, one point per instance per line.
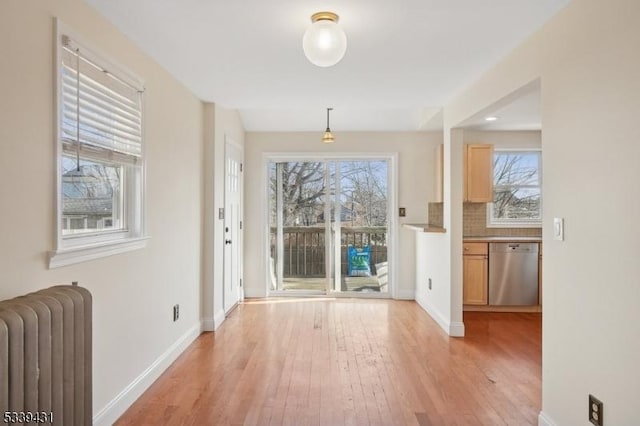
(492, 118)
(328, 137)
(324, 43)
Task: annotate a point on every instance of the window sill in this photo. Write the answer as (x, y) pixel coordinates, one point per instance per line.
(70, 256)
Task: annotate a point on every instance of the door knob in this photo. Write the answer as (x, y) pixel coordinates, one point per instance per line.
(227, 241)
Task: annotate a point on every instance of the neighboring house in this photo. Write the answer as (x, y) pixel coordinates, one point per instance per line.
(87, 213)
(346, 215)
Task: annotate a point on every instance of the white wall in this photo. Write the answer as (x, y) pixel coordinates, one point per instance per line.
(133, 293)
(220, 124)
(588, 62)
(505, 139)
(416, 174)
(430, 259)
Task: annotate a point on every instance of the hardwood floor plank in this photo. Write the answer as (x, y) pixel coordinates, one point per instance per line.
(351, 362)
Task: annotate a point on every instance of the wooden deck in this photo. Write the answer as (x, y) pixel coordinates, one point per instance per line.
(362, 284)
(323, 361)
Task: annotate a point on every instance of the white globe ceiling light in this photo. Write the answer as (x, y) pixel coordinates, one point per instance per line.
(324, 43)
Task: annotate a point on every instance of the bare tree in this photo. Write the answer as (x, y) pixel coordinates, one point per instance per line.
(303, 185)
(513, 176)
(363, 192)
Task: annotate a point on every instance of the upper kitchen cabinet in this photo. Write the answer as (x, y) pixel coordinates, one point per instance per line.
(478, 173)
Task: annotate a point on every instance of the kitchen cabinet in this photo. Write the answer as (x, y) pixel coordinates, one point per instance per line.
(478, 173)
(475, 276)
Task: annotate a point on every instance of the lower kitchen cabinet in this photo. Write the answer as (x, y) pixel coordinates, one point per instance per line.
(475, 277)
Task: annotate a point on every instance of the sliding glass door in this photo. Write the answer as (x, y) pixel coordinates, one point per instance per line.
(328, 226)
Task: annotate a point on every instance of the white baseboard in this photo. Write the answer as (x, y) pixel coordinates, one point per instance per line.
(118, 405)
(544, 420)
(405, 294)
(207, 324)
(456, 329)
(218, 319)
(443, 322)
(252, 293)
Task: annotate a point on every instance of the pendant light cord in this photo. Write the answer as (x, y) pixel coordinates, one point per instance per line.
(78, 110)
(328, 109)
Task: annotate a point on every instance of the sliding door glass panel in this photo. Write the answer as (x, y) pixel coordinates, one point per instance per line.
(362, 223)
(298, 229)
(328, 226)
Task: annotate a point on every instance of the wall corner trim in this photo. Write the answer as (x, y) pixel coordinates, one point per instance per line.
(453, 329)
(456, 329)
(544, 420)
(118, 405)
(207, 324)
(405, 295)
(218, 319)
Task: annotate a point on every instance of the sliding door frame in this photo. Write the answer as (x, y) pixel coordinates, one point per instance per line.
(392, 244)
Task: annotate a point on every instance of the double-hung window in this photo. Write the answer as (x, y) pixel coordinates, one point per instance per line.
(100, 156)
(517, 192)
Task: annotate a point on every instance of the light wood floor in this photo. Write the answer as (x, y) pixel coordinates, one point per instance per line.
(353, 362)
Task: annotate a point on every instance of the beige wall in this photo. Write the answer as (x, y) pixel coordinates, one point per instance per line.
(416, 155)
(221, 124)
(133, 293)
(588, 60)
(505, 139)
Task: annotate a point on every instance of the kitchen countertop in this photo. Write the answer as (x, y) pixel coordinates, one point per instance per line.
(424, 227)
(506, 239)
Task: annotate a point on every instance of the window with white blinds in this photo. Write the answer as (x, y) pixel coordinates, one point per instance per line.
(100, 182)
(100, 111)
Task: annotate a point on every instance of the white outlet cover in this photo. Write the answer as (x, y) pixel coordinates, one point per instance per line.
(558, 228)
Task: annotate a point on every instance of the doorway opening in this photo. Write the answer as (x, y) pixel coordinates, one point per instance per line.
(329, 226)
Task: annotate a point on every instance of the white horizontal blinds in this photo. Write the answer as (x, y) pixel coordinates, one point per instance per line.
(100, 111)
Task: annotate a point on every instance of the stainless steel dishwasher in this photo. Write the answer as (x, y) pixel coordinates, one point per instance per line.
(513, 273)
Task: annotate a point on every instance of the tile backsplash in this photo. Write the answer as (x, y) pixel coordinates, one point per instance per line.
(475, 222)
(435, 214)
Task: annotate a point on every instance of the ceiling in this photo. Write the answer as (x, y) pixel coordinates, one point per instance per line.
(519, 110)
(404, 60)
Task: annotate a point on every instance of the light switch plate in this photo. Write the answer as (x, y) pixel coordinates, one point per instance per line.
(558, 228)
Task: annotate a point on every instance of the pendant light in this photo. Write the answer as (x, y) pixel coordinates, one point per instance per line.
(324, 43)
(328, 137)
(76, 175)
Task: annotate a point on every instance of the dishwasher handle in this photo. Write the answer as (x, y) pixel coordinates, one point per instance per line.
(513, 248)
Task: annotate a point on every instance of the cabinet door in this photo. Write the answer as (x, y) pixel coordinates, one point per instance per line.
(474, 291)
(479, 173)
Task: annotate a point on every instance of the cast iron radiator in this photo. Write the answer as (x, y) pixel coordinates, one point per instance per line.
(45, 357)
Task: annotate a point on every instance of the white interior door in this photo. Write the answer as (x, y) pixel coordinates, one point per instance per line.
(232, 225)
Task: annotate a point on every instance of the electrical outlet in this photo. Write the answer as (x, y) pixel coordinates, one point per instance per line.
(429, 283)
(402, 212)
(176, 312)
(595, 410)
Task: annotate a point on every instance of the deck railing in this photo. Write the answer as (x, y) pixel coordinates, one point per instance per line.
(304, 248)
